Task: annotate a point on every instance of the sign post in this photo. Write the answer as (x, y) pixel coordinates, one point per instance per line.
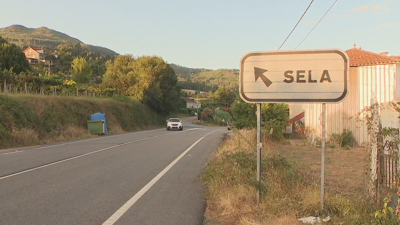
(305, 76)
(258, 151)
(323, 147)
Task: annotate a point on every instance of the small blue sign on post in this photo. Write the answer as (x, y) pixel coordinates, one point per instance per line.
(100, 116)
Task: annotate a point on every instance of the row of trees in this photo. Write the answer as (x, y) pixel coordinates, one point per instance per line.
(148, 78)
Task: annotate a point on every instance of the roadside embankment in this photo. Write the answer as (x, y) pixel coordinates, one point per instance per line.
(32, 119)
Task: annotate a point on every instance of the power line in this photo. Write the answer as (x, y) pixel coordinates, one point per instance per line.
(317, 24)
(296, 25)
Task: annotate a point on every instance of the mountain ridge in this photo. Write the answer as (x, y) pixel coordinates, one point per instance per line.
(45, 37)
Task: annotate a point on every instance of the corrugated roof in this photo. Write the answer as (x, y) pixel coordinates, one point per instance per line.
(359, 57)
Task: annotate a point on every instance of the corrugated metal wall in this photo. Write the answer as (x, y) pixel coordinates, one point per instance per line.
(365, 82)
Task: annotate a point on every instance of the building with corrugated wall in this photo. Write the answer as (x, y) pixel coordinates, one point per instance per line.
(371, 76)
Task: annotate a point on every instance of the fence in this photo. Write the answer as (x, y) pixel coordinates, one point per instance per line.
(54, 90)
(388, 164)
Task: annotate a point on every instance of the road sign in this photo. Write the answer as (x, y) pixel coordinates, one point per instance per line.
(294, 76)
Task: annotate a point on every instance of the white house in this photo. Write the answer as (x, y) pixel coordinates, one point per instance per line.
(191, 103)
(371, 76)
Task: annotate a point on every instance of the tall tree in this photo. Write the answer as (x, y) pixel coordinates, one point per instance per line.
(157, 86)
(12, 57)
(120, 74)
(225, 96)
(80, 70)
(148, 78)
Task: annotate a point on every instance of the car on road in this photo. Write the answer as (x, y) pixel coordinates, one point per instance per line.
(174, 124)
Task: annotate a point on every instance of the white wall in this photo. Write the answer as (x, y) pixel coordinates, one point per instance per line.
(365, 82)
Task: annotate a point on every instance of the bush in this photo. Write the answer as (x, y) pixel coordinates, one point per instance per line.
(274, 116)
(346, 138)
(221, 117)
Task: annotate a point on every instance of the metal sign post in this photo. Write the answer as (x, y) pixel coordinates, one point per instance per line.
(305, 76)
(258, 151)
(323, 155)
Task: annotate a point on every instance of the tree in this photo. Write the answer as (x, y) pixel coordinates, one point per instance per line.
(80, 70)
(2, 40)
(275, 116)
(120, 74)
(244, 114)
(157, 86)
(12, 57)
(148, 78)
(225, 96)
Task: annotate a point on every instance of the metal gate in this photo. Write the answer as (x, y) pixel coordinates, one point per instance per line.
(388, 164)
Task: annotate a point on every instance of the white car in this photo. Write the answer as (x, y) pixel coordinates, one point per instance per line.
(174, 124)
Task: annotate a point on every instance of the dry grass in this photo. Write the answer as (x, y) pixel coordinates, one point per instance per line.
(345, 170)
(291, 182)
(68, 133)
(24, 136)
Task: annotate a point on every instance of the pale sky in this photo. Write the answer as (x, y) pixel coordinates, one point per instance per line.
(213, 34)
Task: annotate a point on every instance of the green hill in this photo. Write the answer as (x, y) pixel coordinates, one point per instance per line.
(206, 79)
(45, 37)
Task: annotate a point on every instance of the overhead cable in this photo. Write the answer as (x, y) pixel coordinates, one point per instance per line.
(317, 24)
(296, 25)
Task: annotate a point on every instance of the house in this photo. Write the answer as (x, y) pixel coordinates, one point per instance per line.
(190, 92)
(191, 103)
(34, 55)
(372, 77)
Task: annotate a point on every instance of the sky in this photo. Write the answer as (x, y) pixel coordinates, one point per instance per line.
(214, 34)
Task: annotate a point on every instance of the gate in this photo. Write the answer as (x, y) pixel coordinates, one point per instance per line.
(388, 164)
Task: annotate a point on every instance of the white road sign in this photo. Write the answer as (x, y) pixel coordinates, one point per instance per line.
(294, 76)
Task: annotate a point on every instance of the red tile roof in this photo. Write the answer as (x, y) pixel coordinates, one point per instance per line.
(190, 100)
(360, 57)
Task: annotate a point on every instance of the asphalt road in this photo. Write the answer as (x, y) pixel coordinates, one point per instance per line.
(148, 177)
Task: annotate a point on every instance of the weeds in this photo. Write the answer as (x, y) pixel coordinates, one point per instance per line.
(345, 139)
(287, 193)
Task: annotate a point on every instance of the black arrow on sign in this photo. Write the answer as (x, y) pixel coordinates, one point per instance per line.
(258, 72)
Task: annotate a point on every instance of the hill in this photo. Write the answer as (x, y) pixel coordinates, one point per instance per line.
(206, 79)
(45, 37)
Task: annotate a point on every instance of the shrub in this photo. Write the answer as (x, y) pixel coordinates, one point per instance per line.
(346, 138)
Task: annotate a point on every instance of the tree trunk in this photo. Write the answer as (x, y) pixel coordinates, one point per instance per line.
(373, 188)
(5, 85)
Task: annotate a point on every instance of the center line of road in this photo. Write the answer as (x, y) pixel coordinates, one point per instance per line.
(121, 211)
(82, 155)
(14, 152)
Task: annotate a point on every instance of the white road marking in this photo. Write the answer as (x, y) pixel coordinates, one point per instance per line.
(9, 153)
(80, 156)
(91, 139)
(121, 211)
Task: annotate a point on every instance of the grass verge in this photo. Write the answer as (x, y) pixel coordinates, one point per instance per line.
(31, 119)
(290, 186)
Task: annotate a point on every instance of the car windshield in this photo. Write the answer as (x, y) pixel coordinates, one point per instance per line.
(174, 120)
